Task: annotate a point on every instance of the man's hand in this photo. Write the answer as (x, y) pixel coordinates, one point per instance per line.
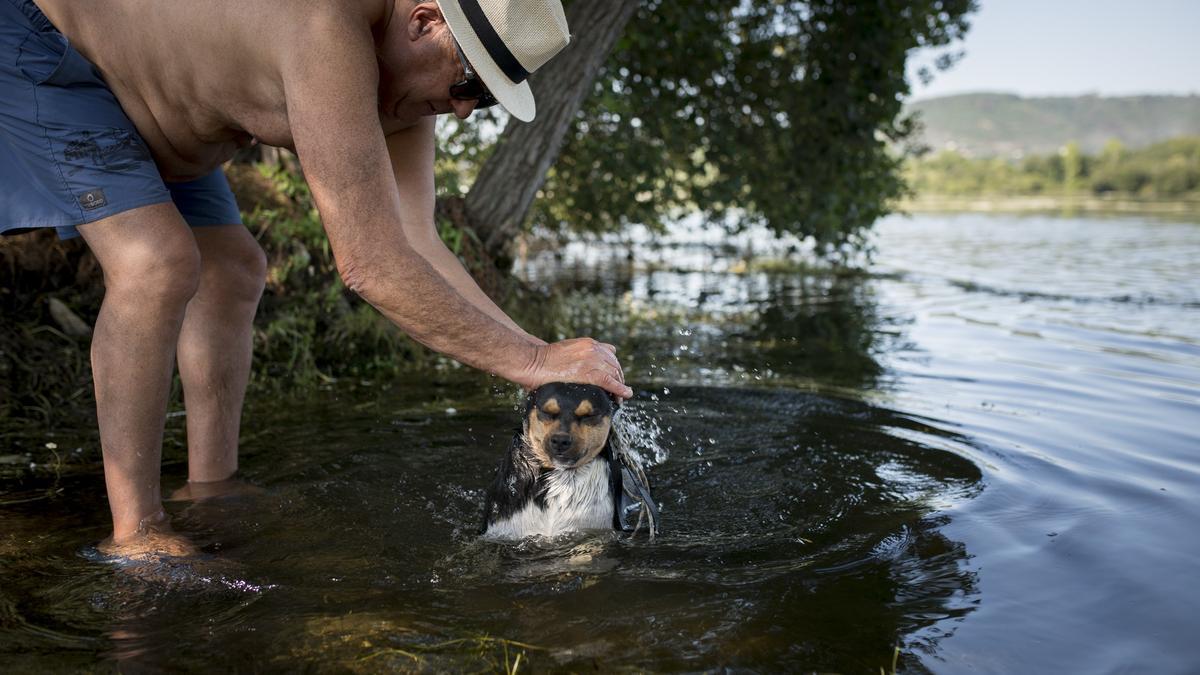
(581, 360)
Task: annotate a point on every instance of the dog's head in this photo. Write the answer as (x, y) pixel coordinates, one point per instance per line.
(566, 425)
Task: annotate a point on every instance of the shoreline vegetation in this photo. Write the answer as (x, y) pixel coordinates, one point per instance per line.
(1051, 204)
(1159, 179)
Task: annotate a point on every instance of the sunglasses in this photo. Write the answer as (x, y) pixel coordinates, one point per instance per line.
(470, 88)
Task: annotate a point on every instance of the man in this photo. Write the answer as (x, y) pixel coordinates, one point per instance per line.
(115, 116)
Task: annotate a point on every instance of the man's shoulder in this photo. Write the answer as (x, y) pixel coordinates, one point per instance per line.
(323, 22)
(325, 34)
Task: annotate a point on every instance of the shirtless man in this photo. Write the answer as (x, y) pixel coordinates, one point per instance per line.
(119, 135)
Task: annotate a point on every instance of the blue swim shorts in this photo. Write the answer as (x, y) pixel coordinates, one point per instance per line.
(68, 153)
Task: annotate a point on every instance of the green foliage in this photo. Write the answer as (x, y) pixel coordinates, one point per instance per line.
(456, 238)
(1168, 170)
(1072, 163)
(310, 327)
(763, 111)
(462, 148)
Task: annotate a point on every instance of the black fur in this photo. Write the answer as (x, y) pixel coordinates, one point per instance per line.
(505, 498)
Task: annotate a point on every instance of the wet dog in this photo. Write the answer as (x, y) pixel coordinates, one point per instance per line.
(566, 470)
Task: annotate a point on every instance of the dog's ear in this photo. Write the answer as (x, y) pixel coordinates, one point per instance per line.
(616, 401)
(526, 411)
(613, 444)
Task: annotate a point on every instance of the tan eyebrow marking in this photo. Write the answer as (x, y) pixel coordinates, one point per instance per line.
(551, 406)
(584, 409)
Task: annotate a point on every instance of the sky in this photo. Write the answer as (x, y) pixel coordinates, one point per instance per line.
(1069, 47)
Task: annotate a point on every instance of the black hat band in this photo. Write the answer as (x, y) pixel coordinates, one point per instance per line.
(492, 42)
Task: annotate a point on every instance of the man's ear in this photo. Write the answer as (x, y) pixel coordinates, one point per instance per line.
(423, 19)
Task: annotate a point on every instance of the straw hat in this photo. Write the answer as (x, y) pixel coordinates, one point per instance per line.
(505, 40)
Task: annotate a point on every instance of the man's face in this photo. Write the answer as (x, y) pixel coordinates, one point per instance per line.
(417, 65)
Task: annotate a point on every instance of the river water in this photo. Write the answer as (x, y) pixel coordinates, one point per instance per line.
(981, 455)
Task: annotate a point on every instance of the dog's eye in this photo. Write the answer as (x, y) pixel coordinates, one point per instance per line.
(545, 415)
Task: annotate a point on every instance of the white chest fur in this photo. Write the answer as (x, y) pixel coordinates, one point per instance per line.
(576, 499)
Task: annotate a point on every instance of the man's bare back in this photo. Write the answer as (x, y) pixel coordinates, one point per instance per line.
(200, 80)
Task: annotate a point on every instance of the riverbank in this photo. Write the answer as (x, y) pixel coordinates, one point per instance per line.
(310, 330)
(1051, 204)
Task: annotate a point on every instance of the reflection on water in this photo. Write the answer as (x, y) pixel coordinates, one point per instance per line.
(980, 453)
(704, 322)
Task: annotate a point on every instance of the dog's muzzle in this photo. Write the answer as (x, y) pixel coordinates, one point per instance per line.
(561, 446)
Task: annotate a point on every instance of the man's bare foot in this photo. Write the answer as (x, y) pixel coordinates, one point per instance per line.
(153, 541)
(199, 491)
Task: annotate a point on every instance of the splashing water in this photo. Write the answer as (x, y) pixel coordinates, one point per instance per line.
(640, 433)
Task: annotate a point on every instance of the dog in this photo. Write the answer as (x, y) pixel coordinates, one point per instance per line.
(566, 470)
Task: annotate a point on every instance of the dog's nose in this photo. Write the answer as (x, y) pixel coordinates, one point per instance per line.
(560, 443)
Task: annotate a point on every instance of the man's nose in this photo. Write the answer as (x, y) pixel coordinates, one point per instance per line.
(463, 109)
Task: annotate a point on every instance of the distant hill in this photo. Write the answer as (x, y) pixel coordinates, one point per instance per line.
(984, 125)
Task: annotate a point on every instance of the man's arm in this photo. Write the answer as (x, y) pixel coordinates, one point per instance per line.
(330, 83)
(412, 152)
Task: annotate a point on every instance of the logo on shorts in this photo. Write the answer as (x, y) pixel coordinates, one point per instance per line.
(92, 199)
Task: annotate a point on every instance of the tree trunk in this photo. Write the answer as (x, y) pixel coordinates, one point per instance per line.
(502, 195)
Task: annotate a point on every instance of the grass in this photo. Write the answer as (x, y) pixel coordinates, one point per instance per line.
(492, 653)
(895, 661)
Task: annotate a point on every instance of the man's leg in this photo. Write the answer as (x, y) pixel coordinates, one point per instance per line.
(151, 271)
(214, 350)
